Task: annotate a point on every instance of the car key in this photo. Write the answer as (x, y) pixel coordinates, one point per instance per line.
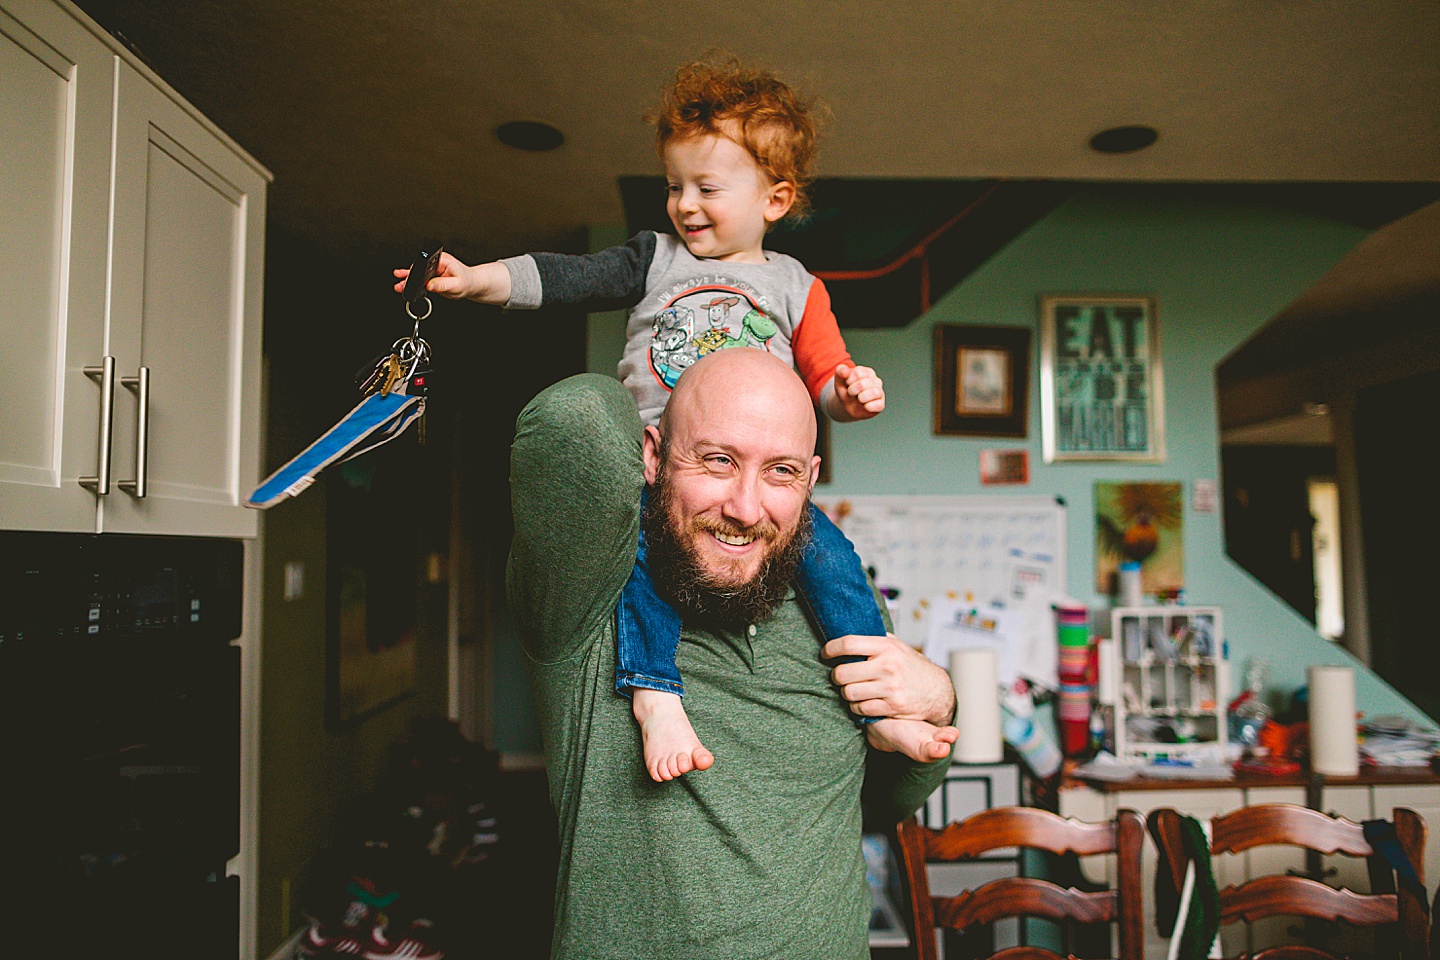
(425, 267)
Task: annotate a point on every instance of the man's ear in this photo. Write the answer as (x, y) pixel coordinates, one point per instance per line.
(779, 201)
(814, 471)
(650, 450)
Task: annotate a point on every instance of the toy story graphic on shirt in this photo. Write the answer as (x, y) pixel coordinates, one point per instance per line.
(704, 317)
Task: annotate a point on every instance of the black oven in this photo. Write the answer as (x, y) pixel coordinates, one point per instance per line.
(119, 744)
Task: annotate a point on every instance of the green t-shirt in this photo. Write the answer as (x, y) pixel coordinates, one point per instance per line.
(758, 856)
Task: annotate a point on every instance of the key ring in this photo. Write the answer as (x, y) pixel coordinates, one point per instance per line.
(411, 313)
(411, 350)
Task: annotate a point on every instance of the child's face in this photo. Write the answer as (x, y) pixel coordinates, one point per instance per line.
(720, 201)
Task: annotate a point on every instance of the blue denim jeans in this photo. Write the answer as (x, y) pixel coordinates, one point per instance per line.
(831, 581)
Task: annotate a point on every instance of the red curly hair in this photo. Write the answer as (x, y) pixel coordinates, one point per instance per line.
(752, 107)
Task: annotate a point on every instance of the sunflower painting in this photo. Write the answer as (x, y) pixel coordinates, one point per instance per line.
(1143, 522)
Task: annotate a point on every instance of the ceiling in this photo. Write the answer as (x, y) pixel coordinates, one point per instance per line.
(377, 118)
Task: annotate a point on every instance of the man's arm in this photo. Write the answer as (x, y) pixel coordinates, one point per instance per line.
(575, 480)
(896, 786)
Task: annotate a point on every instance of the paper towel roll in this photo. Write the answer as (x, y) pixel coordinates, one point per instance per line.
(977, 706)
(1333, 750)
(1107, 676)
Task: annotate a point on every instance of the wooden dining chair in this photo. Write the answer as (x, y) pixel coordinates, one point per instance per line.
(1291, 895)
(1035, 829)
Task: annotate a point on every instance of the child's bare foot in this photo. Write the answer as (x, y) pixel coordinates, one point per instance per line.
(917, 739)
(671, 746)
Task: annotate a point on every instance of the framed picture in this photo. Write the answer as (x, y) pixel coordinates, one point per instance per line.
(822, 445)
(1142, 522)
(982, 380)
(1102, 394)
(1004, 467)
(372, 578)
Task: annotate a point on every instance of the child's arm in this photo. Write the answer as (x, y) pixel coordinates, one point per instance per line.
(610, 279)
(858, 395)
(483, 283)
(846, 392)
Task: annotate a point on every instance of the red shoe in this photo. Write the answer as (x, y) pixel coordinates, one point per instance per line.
(346, 940)
(413, 945)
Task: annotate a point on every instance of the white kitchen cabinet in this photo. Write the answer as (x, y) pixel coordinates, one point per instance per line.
(130, 229)
(1426, 802)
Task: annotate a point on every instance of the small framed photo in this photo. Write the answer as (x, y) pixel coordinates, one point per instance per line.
(1004, 467)
(982, 380)
(1102, 393)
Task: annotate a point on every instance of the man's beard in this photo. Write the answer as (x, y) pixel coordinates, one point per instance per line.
(682, 578)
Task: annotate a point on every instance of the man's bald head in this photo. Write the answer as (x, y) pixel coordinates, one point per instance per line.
(731, 464)
(739, 386)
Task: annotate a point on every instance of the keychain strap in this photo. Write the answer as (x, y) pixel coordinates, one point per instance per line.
(394, 386)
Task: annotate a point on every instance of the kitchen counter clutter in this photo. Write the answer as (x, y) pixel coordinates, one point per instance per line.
(1073, 778)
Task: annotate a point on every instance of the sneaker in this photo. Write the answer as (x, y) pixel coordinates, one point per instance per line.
(415, 944)
(324, 944)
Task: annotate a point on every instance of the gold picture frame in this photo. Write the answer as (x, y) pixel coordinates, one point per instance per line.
(1102, 387)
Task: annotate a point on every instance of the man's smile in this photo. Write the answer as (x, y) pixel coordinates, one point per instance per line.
(735, 540)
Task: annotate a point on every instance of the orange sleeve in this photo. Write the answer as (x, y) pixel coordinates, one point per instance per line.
(817, 345)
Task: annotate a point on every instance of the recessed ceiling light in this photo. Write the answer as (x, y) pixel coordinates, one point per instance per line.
(528, 135)
(1123, 139)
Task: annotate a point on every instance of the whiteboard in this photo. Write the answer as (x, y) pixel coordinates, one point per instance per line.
(1004, 552)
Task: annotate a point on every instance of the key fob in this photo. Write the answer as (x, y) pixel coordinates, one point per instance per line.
(419, 385)
(421, 271)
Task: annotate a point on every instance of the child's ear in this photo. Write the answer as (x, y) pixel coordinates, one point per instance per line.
(779, 201)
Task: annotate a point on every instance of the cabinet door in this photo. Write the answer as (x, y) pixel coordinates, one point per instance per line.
(1229, 869)
(1267, 860)
(1425, 800)
(186, 296)
(58, 82)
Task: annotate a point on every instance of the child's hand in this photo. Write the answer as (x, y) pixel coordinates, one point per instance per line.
(484, 282)
(859, 393)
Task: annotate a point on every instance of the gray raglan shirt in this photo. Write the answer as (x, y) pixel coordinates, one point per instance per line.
(682, 308)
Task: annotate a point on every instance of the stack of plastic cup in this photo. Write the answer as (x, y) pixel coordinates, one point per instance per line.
(1073, 713)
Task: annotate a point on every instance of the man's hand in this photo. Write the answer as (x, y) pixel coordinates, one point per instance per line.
(859, 393)
(895, 680)
(484, 282)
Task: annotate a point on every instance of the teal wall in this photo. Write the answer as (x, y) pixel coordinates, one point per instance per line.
(1219, 272)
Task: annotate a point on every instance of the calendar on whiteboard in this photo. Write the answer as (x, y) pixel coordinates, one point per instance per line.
(953, 556)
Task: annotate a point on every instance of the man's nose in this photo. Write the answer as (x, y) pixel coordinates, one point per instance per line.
(744, 505)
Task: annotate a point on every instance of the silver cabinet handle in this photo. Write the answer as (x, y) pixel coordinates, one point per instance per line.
(105, 374)
(141, 385)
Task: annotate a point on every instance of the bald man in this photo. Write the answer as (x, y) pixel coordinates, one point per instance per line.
(759, 855)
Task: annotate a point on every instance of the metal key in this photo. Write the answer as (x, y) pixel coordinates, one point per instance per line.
(395, 371)
(369, 377)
